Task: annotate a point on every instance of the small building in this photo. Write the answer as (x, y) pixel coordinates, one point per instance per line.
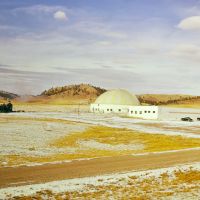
(123, 102)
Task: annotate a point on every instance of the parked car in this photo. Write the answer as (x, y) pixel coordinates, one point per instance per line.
(198, 118)
(188, 119)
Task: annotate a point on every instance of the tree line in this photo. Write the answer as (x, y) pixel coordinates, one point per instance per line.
(6, 108)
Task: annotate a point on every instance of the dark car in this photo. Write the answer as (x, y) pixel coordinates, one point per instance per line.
(198, 118)
(187, 119)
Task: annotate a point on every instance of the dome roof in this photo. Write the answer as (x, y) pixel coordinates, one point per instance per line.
(117, 97)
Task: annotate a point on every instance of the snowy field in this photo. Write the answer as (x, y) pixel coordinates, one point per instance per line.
(29, 137)
(165, 125)
(175, 114)
(31, 134)
(166, 183)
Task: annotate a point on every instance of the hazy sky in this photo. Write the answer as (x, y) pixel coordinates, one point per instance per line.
(145, 46)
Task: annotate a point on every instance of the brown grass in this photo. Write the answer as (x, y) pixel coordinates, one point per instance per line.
(184, 182)
(50, 107)
(24, 118)
(107, 135)
(114, 136)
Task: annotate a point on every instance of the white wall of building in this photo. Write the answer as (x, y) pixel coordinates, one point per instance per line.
(144, 112)
(147, 112)
(108, 108)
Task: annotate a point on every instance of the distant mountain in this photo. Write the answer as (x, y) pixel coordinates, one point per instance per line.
(69, 94)
(7, 95)
(168, 99)
(86, 94)
(82, 90)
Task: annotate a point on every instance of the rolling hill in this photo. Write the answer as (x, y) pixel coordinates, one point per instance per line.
(162, 99)
(70, 94)
(7, 95)
(86, 94)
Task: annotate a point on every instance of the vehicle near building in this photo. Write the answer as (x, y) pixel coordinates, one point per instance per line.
(188, 119)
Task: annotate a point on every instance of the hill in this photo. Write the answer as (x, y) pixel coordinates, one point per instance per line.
(86, 94)
(7, 95)
(71, 94)
(82, 90)
(169, 99)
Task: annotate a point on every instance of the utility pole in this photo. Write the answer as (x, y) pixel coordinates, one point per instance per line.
(78, 111)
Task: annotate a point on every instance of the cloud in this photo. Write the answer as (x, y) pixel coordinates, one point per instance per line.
(99, 28)
(60, 15)
(190, 23)
(117, 47)
(39, 8)
(188, 49)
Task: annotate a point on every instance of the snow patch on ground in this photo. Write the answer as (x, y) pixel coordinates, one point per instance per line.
(102, 146)
(163, 152)
(123, 122)
(79, 184)
(39, 134)
(31, 137)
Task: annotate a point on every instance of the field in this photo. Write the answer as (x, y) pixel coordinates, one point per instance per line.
(50, 136)
(168, 183)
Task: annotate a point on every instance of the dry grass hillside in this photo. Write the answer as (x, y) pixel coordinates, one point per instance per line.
(71, 94)
(6, 95)
(85, 94)
(170, 99)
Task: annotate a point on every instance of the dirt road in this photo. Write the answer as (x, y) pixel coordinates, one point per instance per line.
(50, 172)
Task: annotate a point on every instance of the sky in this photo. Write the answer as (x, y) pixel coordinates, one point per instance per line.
(144, 46)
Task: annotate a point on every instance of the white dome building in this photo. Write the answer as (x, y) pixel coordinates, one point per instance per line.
(122, 101)
(114, 101)
(117, 97)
